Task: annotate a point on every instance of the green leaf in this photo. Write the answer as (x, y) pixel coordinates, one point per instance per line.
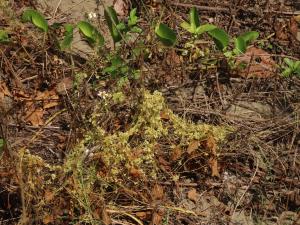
(205, 28)
(220, 38)
(240, 45)
(185, 25)
(112, 22)
(117, 61)
(36, 18)
(132, 20)
(289, 62)
(165, 34)
(66, 42)
(194, 19)
(287, 72)
(2, 143)
(92, 35)
(249, 36)
(136, 29)
(4, 36)
(121, 26)
(297, 65)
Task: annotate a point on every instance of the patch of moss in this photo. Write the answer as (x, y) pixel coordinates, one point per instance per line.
(116, 151)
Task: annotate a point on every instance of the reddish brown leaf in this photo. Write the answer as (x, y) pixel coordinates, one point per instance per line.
(136, 173)
(105, 217)
(50, 104)
(157, 192)
(164, 116)
(64, 85)
(193, 146)
(193, 195)
(280, 31)
(48, 219)
(49, 195)
(258, 63)
(212, 147)
(142, 215)
(4, 90)
(35, 117)
(157, 218)
(294, 27)
(176, 153)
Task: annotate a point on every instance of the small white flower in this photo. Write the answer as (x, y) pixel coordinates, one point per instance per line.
(103, 94)
(92, 15)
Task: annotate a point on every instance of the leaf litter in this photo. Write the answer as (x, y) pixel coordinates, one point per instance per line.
(195, 168)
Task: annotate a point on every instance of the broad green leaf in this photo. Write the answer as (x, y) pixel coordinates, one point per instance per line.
(136, 29)
(289, 62)
(66, 42)
(3, 36)
(117, 61)
(220, 38)
(165, 34)
(121, 26)
(249, 36)
(194, 19)
(297, 65)
(287, 72)
(112, 22)
(2, 142)
(185, 25)
(240, 45)
(36, 18)
(205, 28)
(132, 20)
(91, 33)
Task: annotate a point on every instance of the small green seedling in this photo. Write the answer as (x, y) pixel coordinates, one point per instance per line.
(117, 67)
(2, 143)
(67, 40)
(193, 26)
(291, 67)
(92, 35)
(241, 44)
(33, 16)
(114, 26)
(118, 28)
(219, 36)
(132, 22)
(4, 36)
(165, 34)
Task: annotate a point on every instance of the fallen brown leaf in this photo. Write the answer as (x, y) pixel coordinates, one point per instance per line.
(294, 27)
(50, 104)
(64, 85)
(157, 192)
(176, 153)
(49, 195)
(193, 195)
(121, 7)
(280, 31)
(142, 215)
(35, 117)
(136, 173)
(193, 146)
(164, 116)
(106, 220)
(258, 63)
(4, 90)
(212, 147)
(157, 218)
(48, 219)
